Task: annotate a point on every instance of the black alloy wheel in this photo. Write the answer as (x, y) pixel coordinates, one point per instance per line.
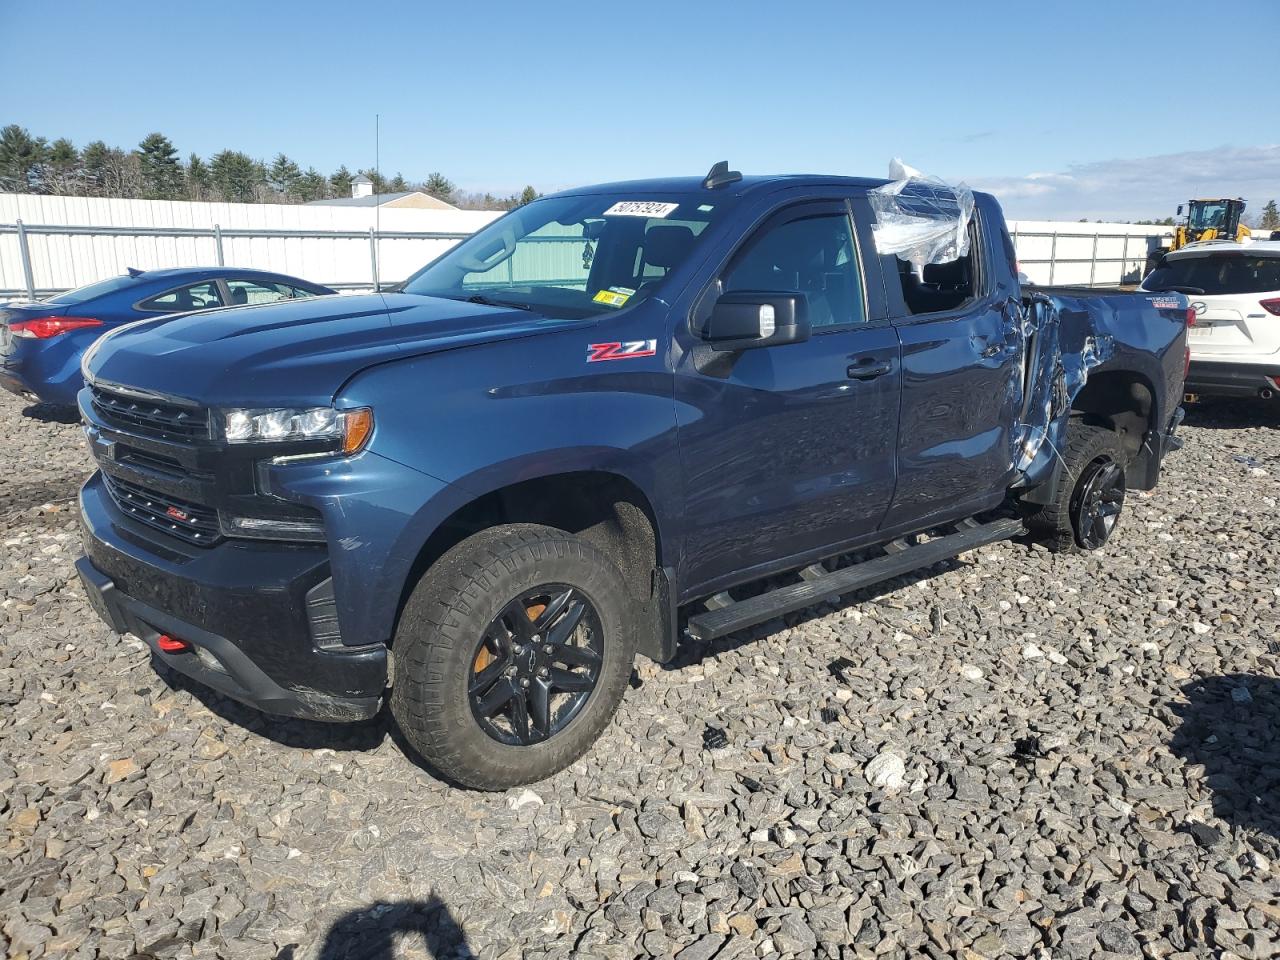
(1096, 506)
(536, 665)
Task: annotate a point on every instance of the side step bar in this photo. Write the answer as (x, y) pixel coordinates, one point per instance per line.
(731, 617)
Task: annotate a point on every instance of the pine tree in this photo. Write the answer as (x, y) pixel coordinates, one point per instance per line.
(283, 175)
(93, 165)
(63, 171)
(22, 159)
(340, 182)
(397, 184)
(528, 195)
(310, 186)
(439, 186)
(1270, 219)
(379, 181)
(161, 171)
(199, 180)
(236, 176)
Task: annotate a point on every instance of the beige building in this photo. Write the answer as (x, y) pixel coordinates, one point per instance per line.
(362, 195)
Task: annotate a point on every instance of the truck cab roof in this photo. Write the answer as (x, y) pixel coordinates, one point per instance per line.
(737, 188)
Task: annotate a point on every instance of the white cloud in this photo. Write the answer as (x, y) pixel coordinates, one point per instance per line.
(1141, 187)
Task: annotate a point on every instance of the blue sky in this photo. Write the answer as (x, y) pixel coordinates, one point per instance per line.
(1065, 109)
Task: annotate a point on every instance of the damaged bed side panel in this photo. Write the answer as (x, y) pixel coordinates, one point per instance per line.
(1076, 336)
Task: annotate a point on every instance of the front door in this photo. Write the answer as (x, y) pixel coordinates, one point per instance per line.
(789, 449)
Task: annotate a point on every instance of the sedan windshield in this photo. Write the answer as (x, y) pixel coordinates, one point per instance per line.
(573, 256)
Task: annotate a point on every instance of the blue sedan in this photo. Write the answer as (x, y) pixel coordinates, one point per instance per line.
(41, 343)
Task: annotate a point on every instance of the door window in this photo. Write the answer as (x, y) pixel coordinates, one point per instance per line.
(200, 296)
(260, 291)
(942, 286)
(813, 255)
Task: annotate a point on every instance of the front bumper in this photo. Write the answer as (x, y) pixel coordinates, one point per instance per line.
(243, 604)
(1216, 378)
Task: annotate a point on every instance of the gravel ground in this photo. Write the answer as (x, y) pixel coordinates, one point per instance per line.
(1019, 755)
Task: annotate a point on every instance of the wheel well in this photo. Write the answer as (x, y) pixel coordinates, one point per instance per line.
(1120, 401)
(606, 509)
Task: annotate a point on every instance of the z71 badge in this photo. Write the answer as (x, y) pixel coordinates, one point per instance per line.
(621, 351)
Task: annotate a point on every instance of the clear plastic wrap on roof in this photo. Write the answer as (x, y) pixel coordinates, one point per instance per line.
(921, 219)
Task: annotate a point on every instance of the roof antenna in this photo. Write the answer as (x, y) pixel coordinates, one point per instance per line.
(720, 174)
(377, 200)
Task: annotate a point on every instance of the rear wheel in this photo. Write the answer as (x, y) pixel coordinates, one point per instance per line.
(512, 656)
(1090, 498)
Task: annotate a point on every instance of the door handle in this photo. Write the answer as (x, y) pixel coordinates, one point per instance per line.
(868, 369)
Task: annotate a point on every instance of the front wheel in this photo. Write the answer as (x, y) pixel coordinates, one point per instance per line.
(1086, 509)
(512, 655)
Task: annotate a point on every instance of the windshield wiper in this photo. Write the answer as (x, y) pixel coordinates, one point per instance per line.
(1177, 288)
(490, 302)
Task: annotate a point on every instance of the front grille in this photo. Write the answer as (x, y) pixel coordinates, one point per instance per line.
(157, 463)
(178, 518)
(168, 421)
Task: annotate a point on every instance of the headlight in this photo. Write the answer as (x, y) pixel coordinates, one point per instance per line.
(284, 424)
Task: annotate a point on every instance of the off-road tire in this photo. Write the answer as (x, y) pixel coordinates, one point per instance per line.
(1086, 444)
(444, 618)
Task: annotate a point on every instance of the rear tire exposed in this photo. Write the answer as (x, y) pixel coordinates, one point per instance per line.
(1090, 497)
(491, 700)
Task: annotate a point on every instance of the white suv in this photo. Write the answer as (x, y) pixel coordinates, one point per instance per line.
(1234, 289)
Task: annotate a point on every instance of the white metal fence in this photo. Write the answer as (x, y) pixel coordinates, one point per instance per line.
(49, 244)
(69, 241)
(1085, 254)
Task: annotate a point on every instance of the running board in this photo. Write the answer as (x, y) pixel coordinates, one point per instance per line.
(731, 617)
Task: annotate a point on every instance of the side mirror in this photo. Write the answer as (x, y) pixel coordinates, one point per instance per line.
(1179, 209)
(746, 319)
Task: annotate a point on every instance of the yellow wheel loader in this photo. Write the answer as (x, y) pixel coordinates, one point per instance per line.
(1206, 220)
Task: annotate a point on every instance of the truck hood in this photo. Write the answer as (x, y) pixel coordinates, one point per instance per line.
(295, 352)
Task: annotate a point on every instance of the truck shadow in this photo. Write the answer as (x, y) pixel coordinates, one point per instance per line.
(287, 731)
(372, 932)
(16, 500)
(1231, 725)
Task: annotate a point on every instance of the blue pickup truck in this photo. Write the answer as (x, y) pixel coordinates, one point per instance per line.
(592, 430)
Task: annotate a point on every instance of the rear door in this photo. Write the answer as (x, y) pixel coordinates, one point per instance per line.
(788, 450)
(962, 370)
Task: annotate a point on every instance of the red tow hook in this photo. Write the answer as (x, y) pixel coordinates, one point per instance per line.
(171, 644)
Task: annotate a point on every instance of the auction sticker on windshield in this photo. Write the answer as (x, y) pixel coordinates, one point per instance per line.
(614, 296)
(641, 208)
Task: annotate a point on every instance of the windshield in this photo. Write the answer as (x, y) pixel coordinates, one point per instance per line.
(573, 256)
(1217, 273)
(1207, 213)
(81, 294)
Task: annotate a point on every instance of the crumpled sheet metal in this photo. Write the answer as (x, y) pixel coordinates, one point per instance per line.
(921, 219)
(1065, 352)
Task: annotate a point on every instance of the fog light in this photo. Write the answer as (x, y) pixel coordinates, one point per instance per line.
(260, 528)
